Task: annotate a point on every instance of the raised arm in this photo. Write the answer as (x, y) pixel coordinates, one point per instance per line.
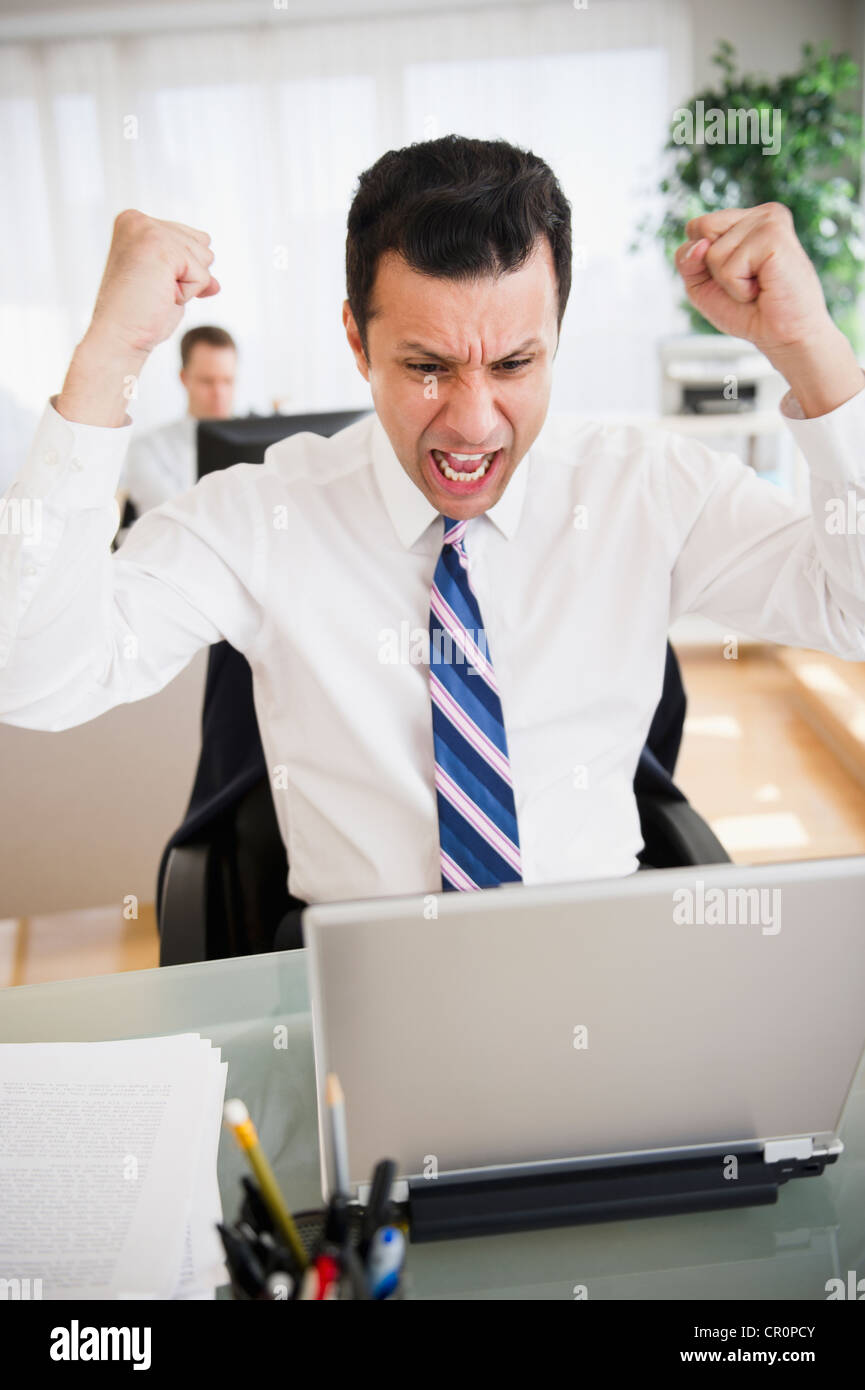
(82, 629)
(153, 269)
(746, 271)
(750, 557)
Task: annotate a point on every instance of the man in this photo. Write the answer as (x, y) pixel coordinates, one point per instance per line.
(162, 463)
(543, 568)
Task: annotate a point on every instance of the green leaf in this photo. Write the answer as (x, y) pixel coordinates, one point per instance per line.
(815, 172)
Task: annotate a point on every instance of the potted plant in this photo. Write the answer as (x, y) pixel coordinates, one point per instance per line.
(811, 164)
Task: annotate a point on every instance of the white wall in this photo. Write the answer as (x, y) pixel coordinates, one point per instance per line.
(768, 34)
(86, 813)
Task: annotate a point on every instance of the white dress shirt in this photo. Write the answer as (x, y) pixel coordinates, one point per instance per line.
(317, 565)
(161, 464)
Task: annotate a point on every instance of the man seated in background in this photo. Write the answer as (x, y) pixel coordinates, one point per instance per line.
(162, 463)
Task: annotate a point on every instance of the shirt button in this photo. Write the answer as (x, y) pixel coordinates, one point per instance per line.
(76, 463)
(29, 569)
(50, 456)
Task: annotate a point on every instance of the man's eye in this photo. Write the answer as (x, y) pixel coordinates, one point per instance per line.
(512, 365)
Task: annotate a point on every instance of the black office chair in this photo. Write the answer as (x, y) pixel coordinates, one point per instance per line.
(222, 887)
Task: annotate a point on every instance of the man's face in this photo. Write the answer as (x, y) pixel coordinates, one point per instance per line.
(209, 380)
(460, 368)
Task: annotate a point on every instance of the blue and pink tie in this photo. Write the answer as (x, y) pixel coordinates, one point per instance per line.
(478, 832)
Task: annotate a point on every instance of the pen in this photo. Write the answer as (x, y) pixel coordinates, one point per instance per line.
(237, 1118)
(352, 1282)
(327, 1269)
(336, 1109)
(244, 1266)
(271, 1255)
(336, 1221)
(386, 1253)
(254, 1209)
(378, 1207)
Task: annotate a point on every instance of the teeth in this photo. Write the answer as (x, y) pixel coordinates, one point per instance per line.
(462, 476)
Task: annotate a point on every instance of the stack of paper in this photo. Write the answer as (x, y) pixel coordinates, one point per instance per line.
(108, 1168)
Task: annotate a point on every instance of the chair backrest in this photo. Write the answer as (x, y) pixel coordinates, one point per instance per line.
(222, 881)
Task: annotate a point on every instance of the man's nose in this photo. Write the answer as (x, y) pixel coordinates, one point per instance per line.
(471, 413)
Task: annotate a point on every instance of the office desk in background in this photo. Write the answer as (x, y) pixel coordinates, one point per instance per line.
(256, 1009)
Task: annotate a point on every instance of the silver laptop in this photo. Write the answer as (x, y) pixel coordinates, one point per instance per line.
(679, 1016)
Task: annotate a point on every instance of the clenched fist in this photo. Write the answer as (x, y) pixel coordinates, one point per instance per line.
(747, 273)
(153, 268)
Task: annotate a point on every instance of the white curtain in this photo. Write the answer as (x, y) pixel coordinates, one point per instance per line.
(259, 134)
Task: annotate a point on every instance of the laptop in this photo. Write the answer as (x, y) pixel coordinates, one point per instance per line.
(532, 1056)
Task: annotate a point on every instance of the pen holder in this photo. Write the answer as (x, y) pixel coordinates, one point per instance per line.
(262, 1269)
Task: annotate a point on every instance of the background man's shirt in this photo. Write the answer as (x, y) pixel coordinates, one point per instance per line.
(161, 464)
(318, 564)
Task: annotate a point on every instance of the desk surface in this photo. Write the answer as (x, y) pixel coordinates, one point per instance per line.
(256, 1009)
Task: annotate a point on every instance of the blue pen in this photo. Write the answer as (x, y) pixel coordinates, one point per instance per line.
(385, 1259)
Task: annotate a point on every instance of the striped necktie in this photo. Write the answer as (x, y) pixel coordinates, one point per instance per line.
(477, 816)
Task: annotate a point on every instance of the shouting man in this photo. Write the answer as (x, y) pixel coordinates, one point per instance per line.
(534, 567)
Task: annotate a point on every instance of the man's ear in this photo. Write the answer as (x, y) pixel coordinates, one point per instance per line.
(354, 342)
(182, 375)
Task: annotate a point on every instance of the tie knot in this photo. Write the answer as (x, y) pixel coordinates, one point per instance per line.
(454, 532)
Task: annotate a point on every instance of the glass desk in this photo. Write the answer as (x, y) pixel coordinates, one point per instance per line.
(256, 1009)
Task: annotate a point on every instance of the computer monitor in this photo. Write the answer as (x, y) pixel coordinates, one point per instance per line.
(246, 439)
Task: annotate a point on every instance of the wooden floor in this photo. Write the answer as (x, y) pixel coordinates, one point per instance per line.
(752, 764)
(764, 772)
(68, 944)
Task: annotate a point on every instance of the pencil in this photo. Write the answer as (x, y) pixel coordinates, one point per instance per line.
(336, 1108)
(237, 1119)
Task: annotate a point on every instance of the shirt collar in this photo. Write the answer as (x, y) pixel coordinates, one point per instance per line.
(409, 510)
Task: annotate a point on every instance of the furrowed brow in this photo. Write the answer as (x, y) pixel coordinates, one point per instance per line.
(422, 350)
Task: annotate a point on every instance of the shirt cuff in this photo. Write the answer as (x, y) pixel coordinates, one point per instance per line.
(832, 443)
(81, 461)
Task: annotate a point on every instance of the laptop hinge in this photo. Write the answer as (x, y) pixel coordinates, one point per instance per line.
(786, 1150)
(483, 1203)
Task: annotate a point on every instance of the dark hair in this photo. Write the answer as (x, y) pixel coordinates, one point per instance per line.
(207, 333)
(455, 208)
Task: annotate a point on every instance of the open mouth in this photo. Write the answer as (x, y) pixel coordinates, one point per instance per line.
(463, 472)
